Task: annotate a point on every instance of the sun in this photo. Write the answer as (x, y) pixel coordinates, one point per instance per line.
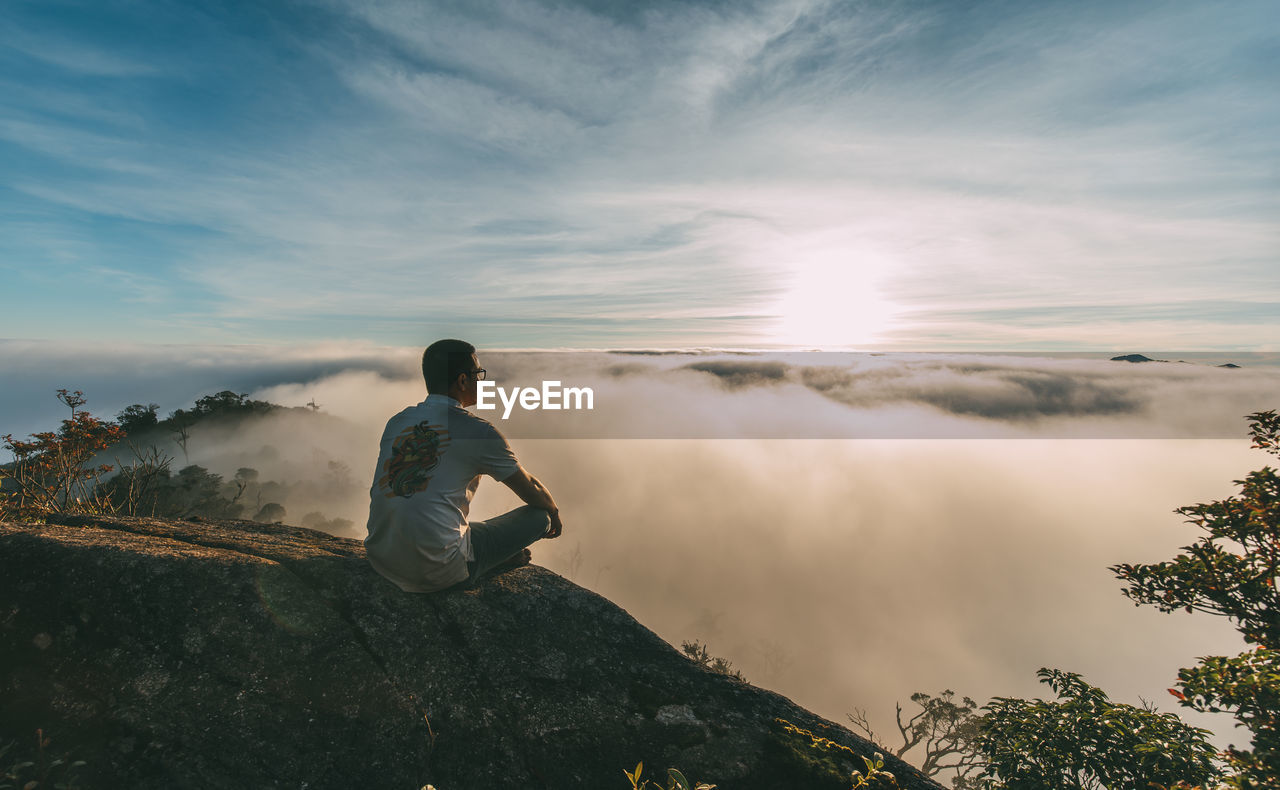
(832, 301)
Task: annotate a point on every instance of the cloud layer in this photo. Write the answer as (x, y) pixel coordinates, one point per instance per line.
(852, 573)
(843, 573)
(817, 395)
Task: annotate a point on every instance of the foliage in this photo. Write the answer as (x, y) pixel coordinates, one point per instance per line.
(1249, 685)
(245, 476)
(270, 513)
(1086, 741)
(1231, 571)
(698, 652)
(874, 775)
(52, 472)
(25, 771)
(220, 404)
(946, 730)
(135, 488)
(196, 491)
(675, 781)
(138, 418)
(149, 489)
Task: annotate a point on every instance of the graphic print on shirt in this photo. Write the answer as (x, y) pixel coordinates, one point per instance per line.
(415, 454)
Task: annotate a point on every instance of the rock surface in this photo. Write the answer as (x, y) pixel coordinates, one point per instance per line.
(236, 655)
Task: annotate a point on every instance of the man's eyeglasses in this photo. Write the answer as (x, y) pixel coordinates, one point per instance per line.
(479, 373)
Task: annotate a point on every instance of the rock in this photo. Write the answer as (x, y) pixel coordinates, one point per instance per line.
(231, 654)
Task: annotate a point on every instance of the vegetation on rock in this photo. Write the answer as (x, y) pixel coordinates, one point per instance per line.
(872, 775)
(675, 781)
(703, 658)
(37, 767)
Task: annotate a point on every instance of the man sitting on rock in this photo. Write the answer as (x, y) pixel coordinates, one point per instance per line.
(429, 466)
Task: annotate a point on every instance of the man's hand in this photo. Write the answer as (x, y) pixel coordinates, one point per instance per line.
(556, 526)
(532, 492)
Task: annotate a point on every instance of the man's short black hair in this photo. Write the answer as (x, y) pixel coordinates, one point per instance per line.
(443, 361)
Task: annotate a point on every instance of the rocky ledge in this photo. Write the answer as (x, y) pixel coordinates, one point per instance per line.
(174, 654)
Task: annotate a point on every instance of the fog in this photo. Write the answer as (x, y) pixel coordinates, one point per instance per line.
(850, 573)
(960, 540)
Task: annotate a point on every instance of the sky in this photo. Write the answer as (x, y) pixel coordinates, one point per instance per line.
(895, 175)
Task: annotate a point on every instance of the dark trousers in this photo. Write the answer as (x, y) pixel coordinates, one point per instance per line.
(500, 537)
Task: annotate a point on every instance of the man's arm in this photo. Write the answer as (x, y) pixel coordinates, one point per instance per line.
(532, 492)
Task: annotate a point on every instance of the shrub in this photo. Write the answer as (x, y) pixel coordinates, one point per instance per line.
(53, 473)
(1084, 740)
(1232, 572)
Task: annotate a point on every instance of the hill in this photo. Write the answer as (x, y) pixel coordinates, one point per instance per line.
(209, 654)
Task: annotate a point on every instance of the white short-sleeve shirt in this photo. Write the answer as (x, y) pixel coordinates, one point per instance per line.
(429, 466)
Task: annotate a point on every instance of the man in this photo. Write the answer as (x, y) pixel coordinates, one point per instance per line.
(429, 466)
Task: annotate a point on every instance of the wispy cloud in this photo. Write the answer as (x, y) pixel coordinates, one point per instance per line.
(552, 174)
(73, 56)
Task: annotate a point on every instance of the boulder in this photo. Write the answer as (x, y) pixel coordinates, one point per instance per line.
(182, 654)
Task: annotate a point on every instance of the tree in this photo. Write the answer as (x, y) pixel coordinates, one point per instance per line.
(270, 513)
(135, 489)
(193, 491)
(317, 520)
(180, 427)
(229, 404)
(245, 477)
(137, 418)
(944, 729)
(225, 402)
(1085, 741)
(1231, 571)
(53, 472)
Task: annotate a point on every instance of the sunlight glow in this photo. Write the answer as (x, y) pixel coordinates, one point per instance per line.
(832, 301)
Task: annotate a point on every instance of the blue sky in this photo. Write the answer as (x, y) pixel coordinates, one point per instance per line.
(911, 175)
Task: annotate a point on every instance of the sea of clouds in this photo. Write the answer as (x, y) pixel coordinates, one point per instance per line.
(847, 529)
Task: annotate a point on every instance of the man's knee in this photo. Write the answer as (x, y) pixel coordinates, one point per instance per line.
(543, 515)
(537, 518)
